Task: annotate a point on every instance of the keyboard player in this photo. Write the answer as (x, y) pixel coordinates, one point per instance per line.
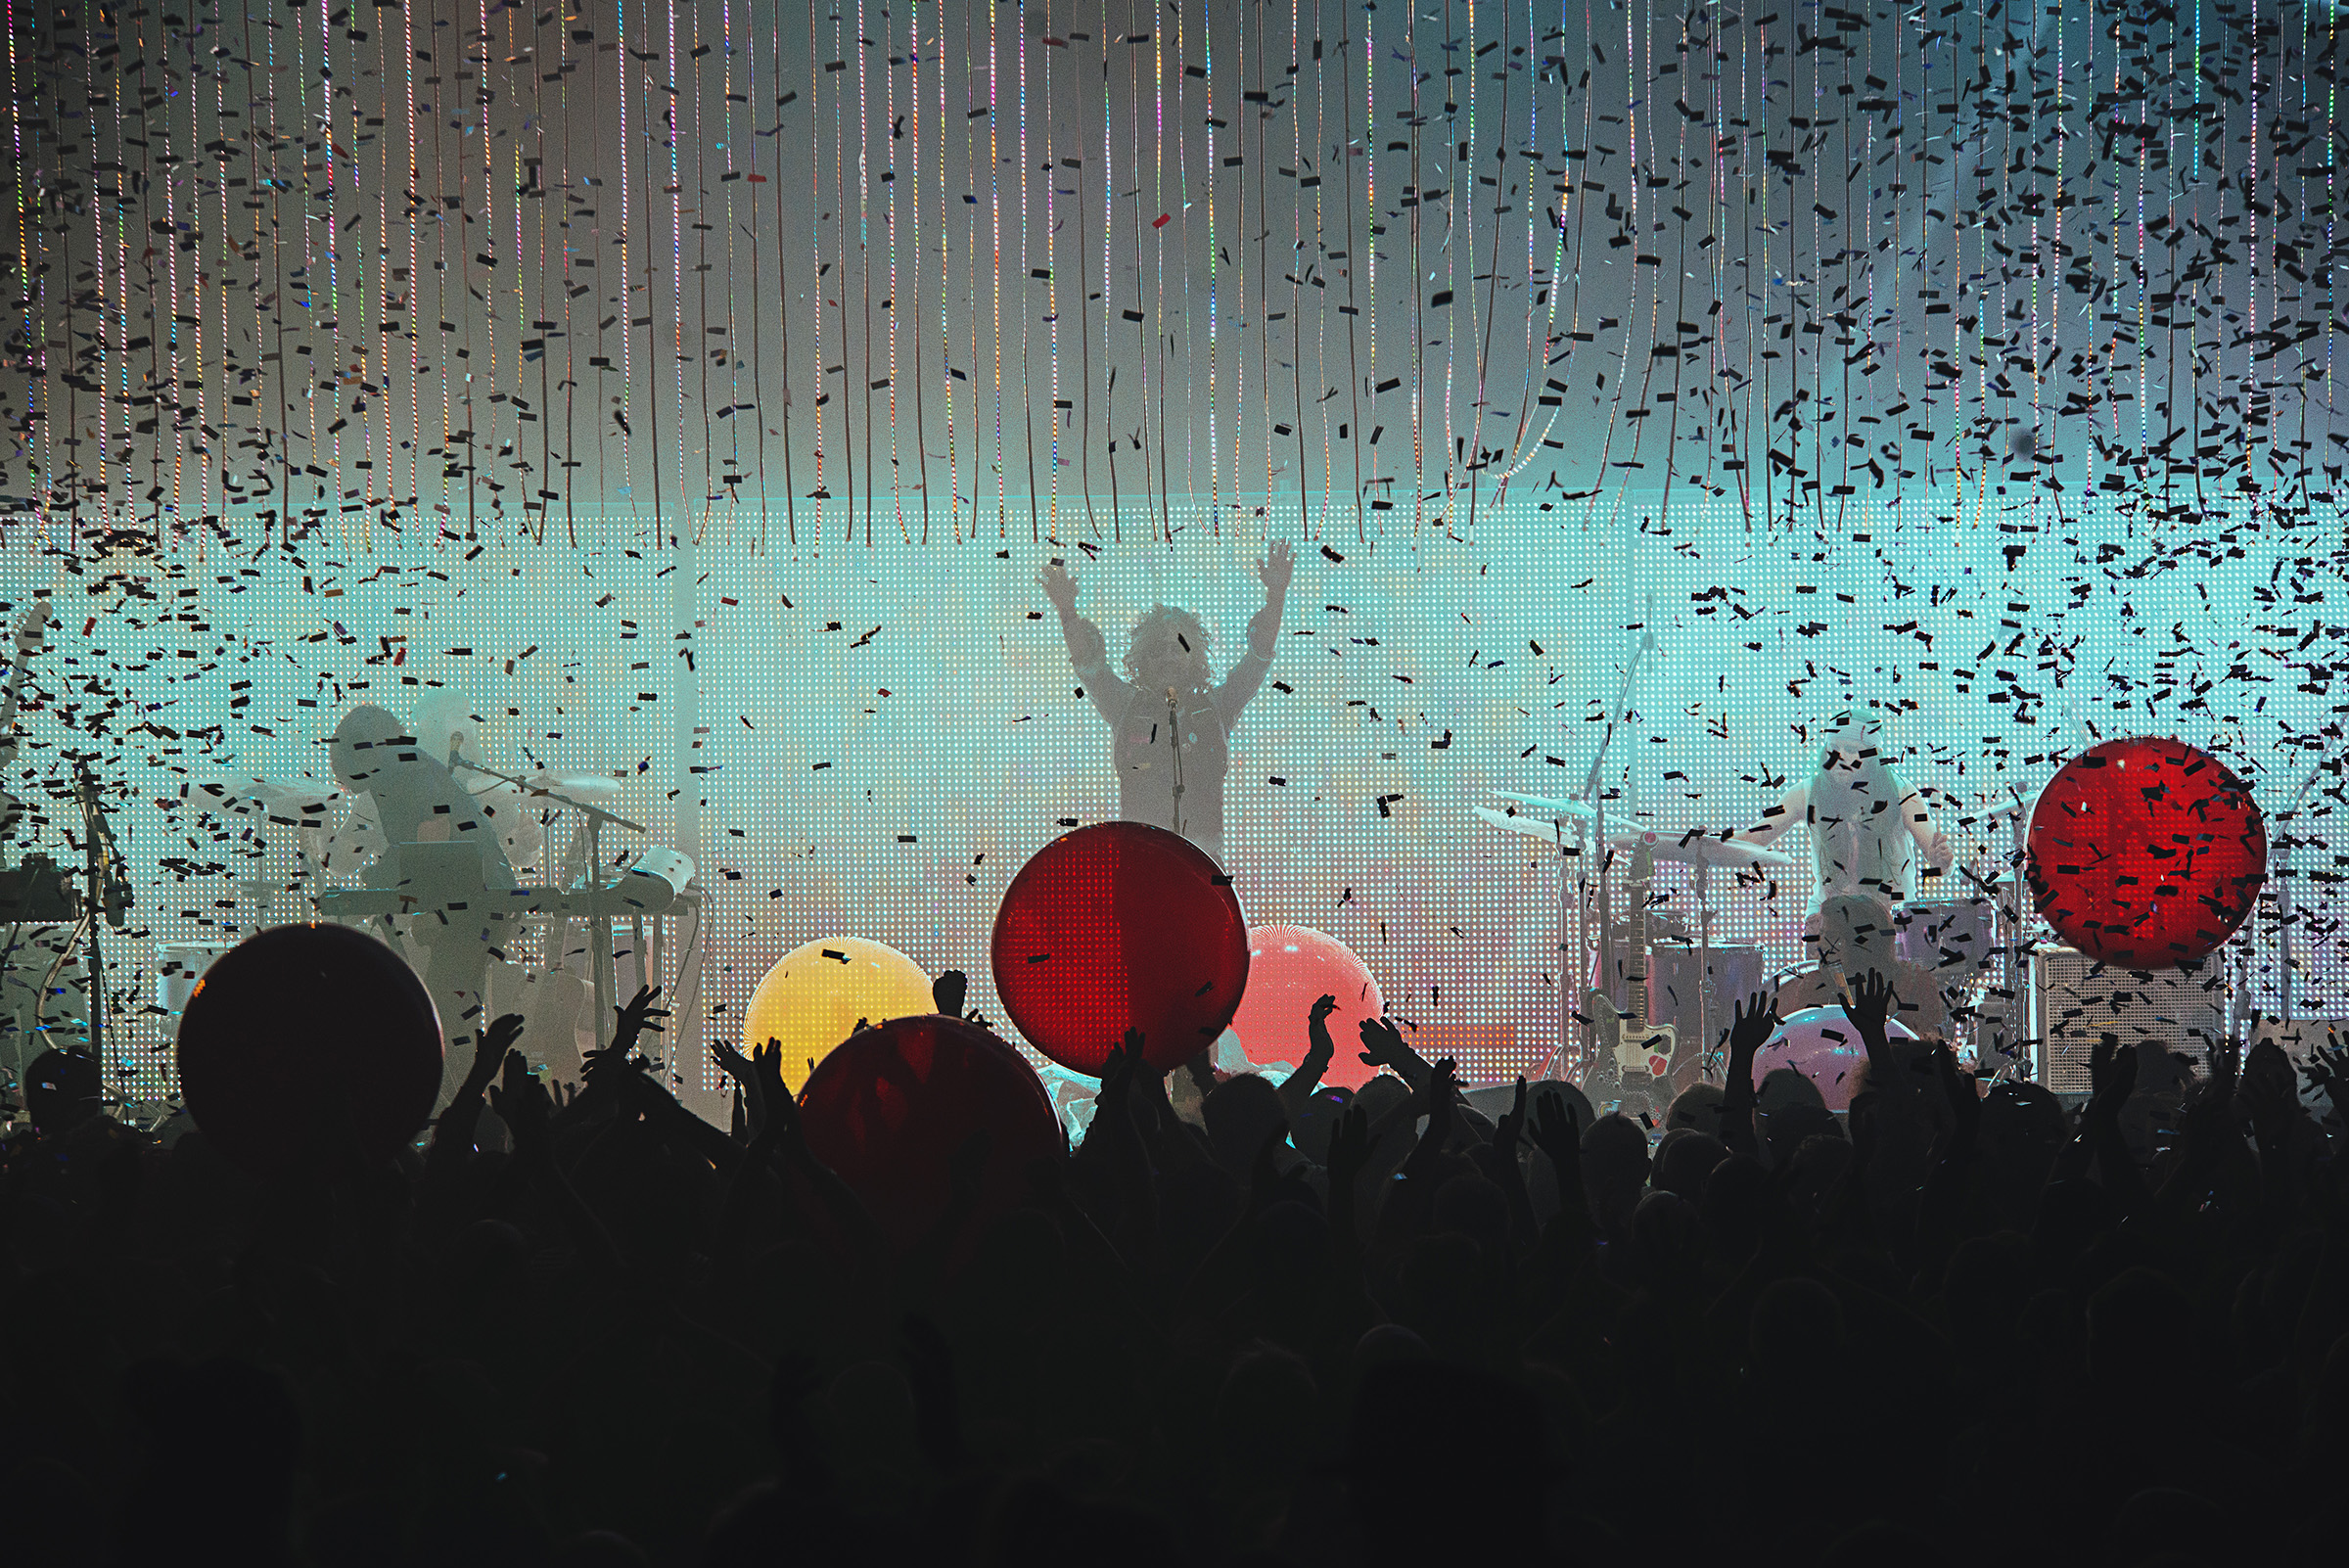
(441, 852)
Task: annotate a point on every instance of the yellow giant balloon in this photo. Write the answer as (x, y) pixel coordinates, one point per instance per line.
(813, 998)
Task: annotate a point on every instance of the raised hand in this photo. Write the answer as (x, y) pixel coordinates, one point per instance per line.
(781, 1122)
(948, 991)
(1275, 569)
(2268, 1100)
(1867, 1002)
(1316, 1022)
(1442, 1090)
(731, 1062)
(1058, 585)
(1557, 1131)
(1510, 1129)
(521, 1103)
(1751, 1024)
(2111, 1072)
(1119, 1068)
(2226, 1060)
(638, 1016)
(489, 1054)
(1383, 1047)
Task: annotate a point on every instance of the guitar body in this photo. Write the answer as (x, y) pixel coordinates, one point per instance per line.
(1627, 1045)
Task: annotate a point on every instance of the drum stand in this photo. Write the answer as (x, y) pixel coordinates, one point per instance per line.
(602, 898)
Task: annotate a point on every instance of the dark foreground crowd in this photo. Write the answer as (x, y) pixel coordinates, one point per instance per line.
(1240, 1322)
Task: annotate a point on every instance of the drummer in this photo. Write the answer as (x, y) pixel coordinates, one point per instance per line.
(1867, 824)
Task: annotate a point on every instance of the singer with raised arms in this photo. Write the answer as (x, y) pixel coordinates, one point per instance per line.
(1171, 719)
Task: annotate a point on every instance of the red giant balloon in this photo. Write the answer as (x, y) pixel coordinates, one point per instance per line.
(889, 1107)
(1114, 927)
(1289, 969)
(295, 1026)
(2146, 853)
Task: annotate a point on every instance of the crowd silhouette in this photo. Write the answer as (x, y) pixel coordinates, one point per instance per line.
(1239, 1323)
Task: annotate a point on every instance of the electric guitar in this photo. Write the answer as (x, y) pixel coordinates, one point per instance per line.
(32, 627)
(1626, 1046)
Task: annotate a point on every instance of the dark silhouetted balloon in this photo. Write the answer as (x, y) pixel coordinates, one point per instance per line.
(302, 1034)
(890, 1105)
(1114, 927)
(2146, 853)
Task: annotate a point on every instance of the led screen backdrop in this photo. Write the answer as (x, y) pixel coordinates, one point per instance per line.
(875, 739)
(694, 391)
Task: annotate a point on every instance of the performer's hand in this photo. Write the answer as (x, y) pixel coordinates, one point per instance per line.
(1940, 853)
(1059, 587)
(1275, 570)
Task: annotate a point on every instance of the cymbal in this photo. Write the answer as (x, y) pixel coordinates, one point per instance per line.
(1533, 827)
(1699, 848)
(1543, 803)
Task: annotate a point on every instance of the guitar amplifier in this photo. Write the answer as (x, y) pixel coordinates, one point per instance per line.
(36, 892)
(2081, 1000)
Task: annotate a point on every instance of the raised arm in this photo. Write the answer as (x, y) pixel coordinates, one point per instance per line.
(1088, 654)
(1791, 810)
(1917, 815)
(1263, 633)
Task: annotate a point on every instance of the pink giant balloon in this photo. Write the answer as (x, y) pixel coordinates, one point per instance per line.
(1822, 1044)
(1289, 969)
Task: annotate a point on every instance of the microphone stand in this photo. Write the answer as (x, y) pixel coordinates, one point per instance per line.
(109, 892)
(1175, 736)
(2284, 894)
(599, 913)
(1592, 798)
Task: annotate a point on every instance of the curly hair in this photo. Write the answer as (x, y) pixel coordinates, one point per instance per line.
(1164, 627)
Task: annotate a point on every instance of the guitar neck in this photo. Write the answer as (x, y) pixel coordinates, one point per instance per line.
(29, 643)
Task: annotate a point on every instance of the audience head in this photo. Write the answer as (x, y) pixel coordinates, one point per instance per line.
(1699, 1106)
(62, 1089)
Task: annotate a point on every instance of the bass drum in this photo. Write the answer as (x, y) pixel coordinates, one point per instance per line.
(1954, 937)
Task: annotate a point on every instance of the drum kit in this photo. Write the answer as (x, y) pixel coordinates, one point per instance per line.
(1659, 990)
